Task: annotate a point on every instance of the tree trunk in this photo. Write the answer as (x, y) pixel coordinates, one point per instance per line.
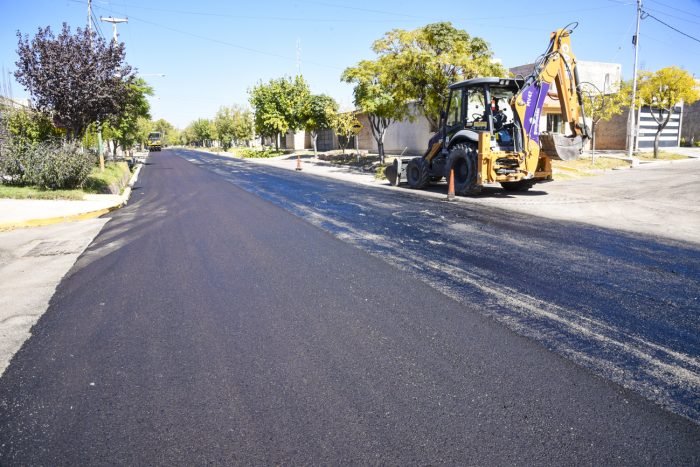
(277, 141)
(100, 148)
(379, 126)
(662, 122)
(656, 143)
(434, 124)
(314, 137)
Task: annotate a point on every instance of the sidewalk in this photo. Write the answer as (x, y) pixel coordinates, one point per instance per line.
(19, 213)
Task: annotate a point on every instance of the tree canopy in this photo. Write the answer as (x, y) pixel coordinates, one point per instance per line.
(77, 78)
(345, 125)
(167, 129)
(224, 123)
(377, 95)
(202, 131)
(425, 61)
(233, 124)
(319, 114)
(124, 127)
(279, 105)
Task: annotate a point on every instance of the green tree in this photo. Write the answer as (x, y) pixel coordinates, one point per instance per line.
(422, 63)
(225, 126)
(124, 128)
(169, 132)
(662, 91)
(187, 135)
(376, 94)
(602, 106)
(243, 125)
(346, 126)
(319, 114)
(202, 132)
(144, 126)
(28, 127)
(279, 106)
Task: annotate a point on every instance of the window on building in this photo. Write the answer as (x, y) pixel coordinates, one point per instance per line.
(554, 123)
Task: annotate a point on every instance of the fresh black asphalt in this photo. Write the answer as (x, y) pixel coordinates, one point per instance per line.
(206, 324)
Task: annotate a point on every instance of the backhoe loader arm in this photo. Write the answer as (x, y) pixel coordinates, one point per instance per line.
(558, 67)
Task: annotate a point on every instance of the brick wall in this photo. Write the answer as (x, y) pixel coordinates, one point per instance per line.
(612, 134)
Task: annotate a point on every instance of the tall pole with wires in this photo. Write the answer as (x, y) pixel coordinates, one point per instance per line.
(89, 25)
(632, 120)
(114, 22)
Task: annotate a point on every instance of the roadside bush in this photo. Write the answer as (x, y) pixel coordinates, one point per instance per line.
(46, 165)
(248, 153)
(12, 162)
(380, 174)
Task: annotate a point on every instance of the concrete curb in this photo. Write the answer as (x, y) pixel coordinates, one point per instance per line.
(5, 226)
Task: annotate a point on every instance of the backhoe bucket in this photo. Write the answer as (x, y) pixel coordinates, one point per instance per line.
(560, 147)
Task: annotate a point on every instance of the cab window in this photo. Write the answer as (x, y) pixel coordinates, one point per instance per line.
(454, 113)
(476, 110)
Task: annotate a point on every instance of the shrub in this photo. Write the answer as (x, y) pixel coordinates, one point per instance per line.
(46, 165)
(248, 153)
(12, 162)
(380, 173)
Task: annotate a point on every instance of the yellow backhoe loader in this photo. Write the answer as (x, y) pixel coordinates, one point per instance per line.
(490, 128)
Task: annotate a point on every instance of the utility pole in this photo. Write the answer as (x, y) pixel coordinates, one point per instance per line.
(89, 15)
(115, 38)
(632, 119)
(298, 56)
(114, 22)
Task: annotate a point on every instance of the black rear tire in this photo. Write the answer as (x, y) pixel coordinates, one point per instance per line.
(417, 173)
(463, 159)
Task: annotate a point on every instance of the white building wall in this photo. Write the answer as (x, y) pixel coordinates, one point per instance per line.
(409, 137)
(295, 141)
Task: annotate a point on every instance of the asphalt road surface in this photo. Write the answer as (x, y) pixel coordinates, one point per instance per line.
(211, 322)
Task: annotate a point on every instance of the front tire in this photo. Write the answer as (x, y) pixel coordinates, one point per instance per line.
(463, 159)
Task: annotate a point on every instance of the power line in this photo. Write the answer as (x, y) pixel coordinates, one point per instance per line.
(674, 8)
(646, 14)
(407, 17)
(218, 41)
(673, 16)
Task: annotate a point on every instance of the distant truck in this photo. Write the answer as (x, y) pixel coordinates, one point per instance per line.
(155, 141)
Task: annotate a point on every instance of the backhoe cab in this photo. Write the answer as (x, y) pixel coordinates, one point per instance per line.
(489, 129)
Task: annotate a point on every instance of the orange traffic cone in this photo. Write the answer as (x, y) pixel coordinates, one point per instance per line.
(298, 162)
(451, 186)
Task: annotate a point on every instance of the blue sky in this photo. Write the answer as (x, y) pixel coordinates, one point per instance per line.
(212, 52)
